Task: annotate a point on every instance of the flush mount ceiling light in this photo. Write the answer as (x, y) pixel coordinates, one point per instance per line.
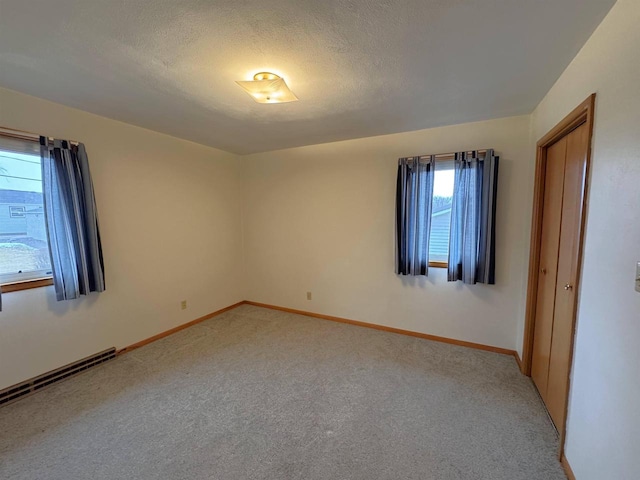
(268, 88)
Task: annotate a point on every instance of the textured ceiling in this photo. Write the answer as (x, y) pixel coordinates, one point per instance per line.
(359, 67)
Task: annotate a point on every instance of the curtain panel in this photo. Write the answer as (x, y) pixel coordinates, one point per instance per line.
(414, 195)
(472, 239)
(71, 219)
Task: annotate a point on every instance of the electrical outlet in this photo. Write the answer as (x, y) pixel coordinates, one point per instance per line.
(308, 295)
(183, 304)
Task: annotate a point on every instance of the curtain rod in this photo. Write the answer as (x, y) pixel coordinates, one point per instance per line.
(451, 155)
(24, 135)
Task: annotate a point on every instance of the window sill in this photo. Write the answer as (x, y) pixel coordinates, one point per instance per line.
(438, 264)
(26, 285)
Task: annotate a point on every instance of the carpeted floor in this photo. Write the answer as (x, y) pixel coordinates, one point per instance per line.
(261, 394)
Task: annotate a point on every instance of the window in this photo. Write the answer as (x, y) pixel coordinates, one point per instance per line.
(17, 212)
(441, 213)
(470, 244)
(24, 250)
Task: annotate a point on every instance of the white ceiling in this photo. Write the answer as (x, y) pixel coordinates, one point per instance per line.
(359, 67)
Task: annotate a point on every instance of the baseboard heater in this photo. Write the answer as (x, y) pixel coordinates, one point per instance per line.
(35, 384)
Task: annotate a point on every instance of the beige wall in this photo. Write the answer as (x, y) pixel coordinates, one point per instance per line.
(321, 219)
(604, 424)
(170, 224)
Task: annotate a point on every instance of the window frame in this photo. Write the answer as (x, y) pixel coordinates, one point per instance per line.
(40, 278)
(437, 264)
(26, 284)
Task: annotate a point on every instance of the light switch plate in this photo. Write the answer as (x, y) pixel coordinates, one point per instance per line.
(638, 277)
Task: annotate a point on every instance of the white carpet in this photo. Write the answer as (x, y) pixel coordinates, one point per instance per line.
(261, 394)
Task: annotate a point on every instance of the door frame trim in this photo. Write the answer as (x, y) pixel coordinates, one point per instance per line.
(583, 113)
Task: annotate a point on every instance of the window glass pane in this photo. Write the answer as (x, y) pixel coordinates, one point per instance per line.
(441, 213)
(24, 252)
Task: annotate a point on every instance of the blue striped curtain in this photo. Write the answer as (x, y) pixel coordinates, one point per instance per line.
(71, 219)
(414, 195)
(472, 247)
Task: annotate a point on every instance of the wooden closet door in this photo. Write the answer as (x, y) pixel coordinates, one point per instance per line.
(568, 257)
(559, 255)
(549, 249)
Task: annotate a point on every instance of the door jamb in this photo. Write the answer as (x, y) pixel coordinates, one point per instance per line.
(583, 113)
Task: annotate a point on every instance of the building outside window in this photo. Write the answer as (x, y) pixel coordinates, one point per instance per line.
(441, 212)
(24, 250)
